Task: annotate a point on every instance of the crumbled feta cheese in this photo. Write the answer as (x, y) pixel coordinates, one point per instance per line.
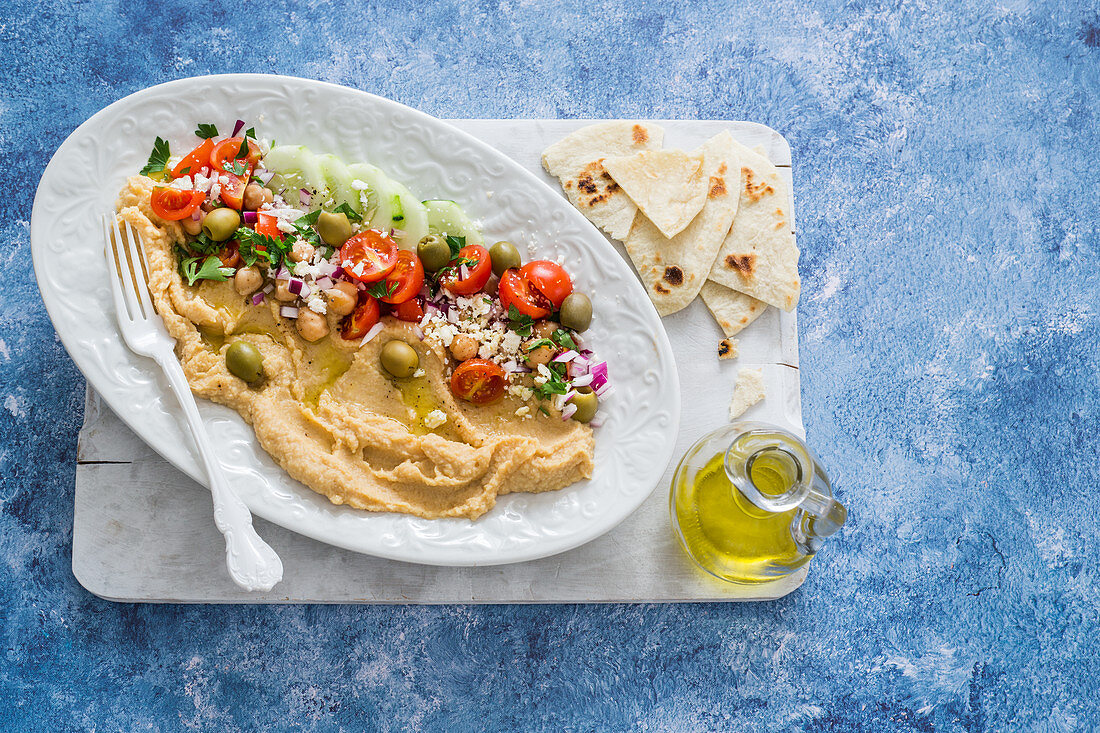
(510, 342)
(183, 183)
(360, 185)
(434, 419)
(523, 411)
(317, 304)
(419, 373)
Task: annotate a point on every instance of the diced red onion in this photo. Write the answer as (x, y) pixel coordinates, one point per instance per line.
(419, 332)
(326, 268)
(305, 197)
(566, 356)
(586, 353)
(596, 421)
(265, 176)
(288, 311)
(581, 363)
(397, 232)
(521, 369)
(568, 411)
(463, 272)
(325, 283)
(570, 395)
(269, 287)
(605, 390)
(599, 374)
(250, 217)
(196, 215)
(237, 128)
(583, 380)
(374, 331)
(295, 286)
(282, 274)
(257, 298)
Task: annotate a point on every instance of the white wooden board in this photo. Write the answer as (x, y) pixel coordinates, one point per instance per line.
(143, 530)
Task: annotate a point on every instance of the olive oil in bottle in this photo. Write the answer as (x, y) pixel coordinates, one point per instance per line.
(760, 539)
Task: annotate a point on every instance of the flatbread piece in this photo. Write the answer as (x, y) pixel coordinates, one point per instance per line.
(673, 270)
(577, 161)
(759, 256)
(748, 390)
(668, 186)
(732, 310)
(728, 348)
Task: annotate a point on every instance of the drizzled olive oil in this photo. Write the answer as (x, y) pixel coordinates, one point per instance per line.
(726, 533)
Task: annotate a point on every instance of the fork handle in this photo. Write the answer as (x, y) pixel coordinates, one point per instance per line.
(252, 563)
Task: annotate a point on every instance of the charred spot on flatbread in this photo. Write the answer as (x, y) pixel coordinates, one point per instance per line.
(744, 264)
(660, 288)
(755, 191)
(641, 137)
(674, 275)
(717, 187)
(727, 349)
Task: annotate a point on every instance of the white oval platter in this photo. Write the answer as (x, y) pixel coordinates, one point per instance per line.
(436, 160)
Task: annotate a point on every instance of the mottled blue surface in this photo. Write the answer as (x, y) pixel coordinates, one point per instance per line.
(946, 171)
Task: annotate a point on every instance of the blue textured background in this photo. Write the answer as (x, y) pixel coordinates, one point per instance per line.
(947, 178)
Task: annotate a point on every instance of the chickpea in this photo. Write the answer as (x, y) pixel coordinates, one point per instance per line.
(342, 298)
(248, 280)
(544, 329)
(191, 226)
(312, 326)
(253, 196)
(269, 196)
(463, 347)
(302, 252)
(541, 355)
(282, 291)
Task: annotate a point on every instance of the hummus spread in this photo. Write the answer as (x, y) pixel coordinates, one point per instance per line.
(334, 420)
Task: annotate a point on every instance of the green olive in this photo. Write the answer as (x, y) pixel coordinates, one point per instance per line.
(399, 359)
(434, 253)
(576, 312)
(245, 361)
(504, 256)
(335, 229)
(587, 403)
(220, 224)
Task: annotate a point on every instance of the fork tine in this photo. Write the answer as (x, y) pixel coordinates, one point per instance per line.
(141, 271)
(130, 279)
(112, 239)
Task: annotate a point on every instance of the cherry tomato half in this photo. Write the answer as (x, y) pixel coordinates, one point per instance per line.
(173, 204)
(195, 161)
(230, 256)
(233, 188)
(356, 324)
(411, 310)
(406, 278)
(549, 278)
(514, 290)
(478, 269)
(224, 154)
(479, 381)
(369, 256)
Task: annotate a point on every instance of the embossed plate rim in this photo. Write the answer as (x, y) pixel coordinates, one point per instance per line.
(296, 507)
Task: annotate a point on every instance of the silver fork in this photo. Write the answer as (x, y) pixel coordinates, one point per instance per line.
(252, 563)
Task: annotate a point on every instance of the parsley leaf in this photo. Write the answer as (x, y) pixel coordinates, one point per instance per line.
(544, 411)
(238, 167)
(456, 244)
(255, 247)
(562, 338)
(519, 322)
(250, 132)
(210, 269)
(536, 344)
(243, 152)
(309, 219)
(158, 159)
(206, 131)
(347, 211)
(382, 288)
(204, 245)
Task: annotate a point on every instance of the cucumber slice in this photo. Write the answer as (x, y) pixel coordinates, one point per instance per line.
(371, 198)
(413, 223)
(295, 168)
(337, 184)
(447, 217)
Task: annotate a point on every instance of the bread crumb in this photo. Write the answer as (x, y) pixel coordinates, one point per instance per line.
(748, 390)
(727, 349)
